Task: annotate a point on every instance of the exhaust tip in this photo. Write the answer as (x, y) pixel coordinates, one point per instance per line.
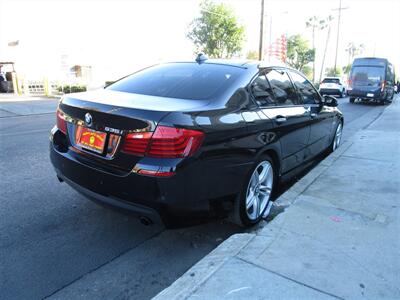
(146, 221)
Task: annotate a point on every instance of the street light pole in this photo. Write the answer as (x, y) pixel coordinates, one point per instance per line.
(338, 31)
(260, 50)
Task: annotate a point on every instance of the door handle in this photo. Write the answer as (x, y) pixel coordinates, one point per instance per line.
(280, 119)
(313, 115)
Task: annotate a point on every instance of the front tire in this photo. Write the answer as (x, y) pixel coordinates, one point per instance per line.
(255, 197)
(351, 100)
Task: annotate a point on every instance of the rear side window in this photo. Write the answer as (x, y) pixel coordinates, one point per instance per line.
(262, 91)
(308, 93)
(331, 80)
(180, 80)
(282, 87)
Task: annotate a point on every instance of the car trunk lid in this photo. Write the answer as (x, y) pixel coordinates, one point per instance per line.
(112, 116)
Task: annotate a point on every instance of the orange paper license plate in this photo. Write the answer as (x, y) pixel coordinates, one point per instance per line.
(92, 139)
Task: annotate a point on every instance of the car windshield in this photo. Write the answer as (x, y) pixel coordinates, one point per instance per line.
(180, 80)
(331, 80)
(367, 75)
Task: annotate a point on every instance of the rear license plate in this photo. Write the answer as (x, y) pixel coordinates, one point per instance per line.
(370, 95)
(91, 139)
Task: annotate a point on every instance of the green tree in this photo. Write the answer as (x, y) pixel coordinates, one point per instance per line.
(346, 69)
(331, 72)
(299, 54)
(216, 32)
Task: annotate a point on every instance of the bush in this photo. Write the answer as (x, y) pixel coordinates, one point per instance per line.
(71, 88)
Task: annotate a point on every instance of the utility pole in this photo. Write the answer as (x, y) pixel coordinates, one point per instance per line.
(338, 30)
(261, 48)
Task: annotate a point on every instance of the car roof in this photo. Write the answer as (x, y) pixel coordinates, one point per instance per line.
(331, 77)
(241, 63)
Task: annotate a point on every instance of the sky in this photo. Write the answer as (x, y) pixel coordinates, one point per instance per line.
(118, 37)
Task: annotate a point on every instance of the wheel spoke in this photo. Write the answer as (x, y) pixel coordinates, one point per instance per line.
(254, 179)
(256, 206)
(264, 173)
(265, 193)
(251, 202)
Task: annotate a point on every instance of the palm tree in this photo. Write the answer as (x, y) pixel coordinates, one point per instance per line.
(354, 50)
(315, 24)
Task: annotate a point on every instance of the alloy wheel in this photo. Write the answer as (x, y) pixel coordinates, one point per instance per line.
(259, 190)
(338, 136)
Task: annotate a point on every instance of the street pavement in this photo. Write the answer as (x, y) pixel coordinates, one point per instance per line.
(55, 243)
(338, 237)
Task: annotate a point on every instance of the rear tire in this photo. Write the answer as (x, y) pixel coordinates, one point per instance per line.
(255, 198)
(337, 138)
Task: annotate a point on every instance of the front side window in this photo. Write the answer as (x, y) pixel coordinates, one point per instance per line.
(282, 87)
(307, 91)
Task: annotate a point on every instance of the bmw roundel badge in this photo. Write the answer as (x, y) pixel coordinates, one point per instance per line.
(88, 119)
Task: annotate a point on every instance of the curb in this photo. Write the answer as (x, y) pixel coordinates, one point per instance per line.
(189, 282)
(197, 275)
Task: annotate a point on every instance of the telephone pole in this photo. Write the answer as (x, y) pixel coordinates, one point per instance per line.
(338, 30)
(261, 48)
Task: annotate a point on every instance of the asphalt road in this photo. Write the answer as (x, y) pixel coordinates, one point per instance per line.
(54, 242)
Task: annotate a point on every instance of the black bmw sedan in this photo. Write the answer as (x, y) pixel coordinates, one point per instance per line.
(188, 140)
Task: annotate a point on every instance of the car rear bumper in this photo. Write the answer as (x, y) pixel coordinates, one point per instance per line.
(366, 95)
(136, 209)
(187, 196)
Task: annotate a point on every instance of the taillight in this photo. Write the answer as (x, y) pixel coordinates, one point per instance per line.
(165, 142)
(61, 123)
(137, 143)
(174, 142)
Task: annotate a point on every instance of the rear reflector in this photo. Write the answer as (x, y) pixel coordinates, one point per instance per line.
(156, 173)
(166, 142)
(61, 123)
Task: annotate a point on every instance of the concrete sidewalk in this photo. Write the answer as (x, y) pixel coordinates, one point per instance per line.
(339, 236)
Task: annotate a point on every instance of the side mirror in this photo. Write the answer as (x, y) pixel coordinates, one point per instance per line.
(330, 101)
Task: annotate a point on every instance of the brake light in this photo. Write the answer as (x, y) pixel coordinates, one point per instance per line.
(61, 123)
(137, 143)
(174, 142)
(165, 142)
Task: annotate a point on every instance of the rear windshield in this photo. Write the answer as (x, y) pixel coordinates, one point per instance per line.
(367, 75)
(331, 80)
(180, 80)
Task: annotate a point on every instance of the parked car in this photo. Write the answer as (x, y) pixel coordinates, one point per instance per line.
(332, 86)
(188, 140)
(371, 79)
